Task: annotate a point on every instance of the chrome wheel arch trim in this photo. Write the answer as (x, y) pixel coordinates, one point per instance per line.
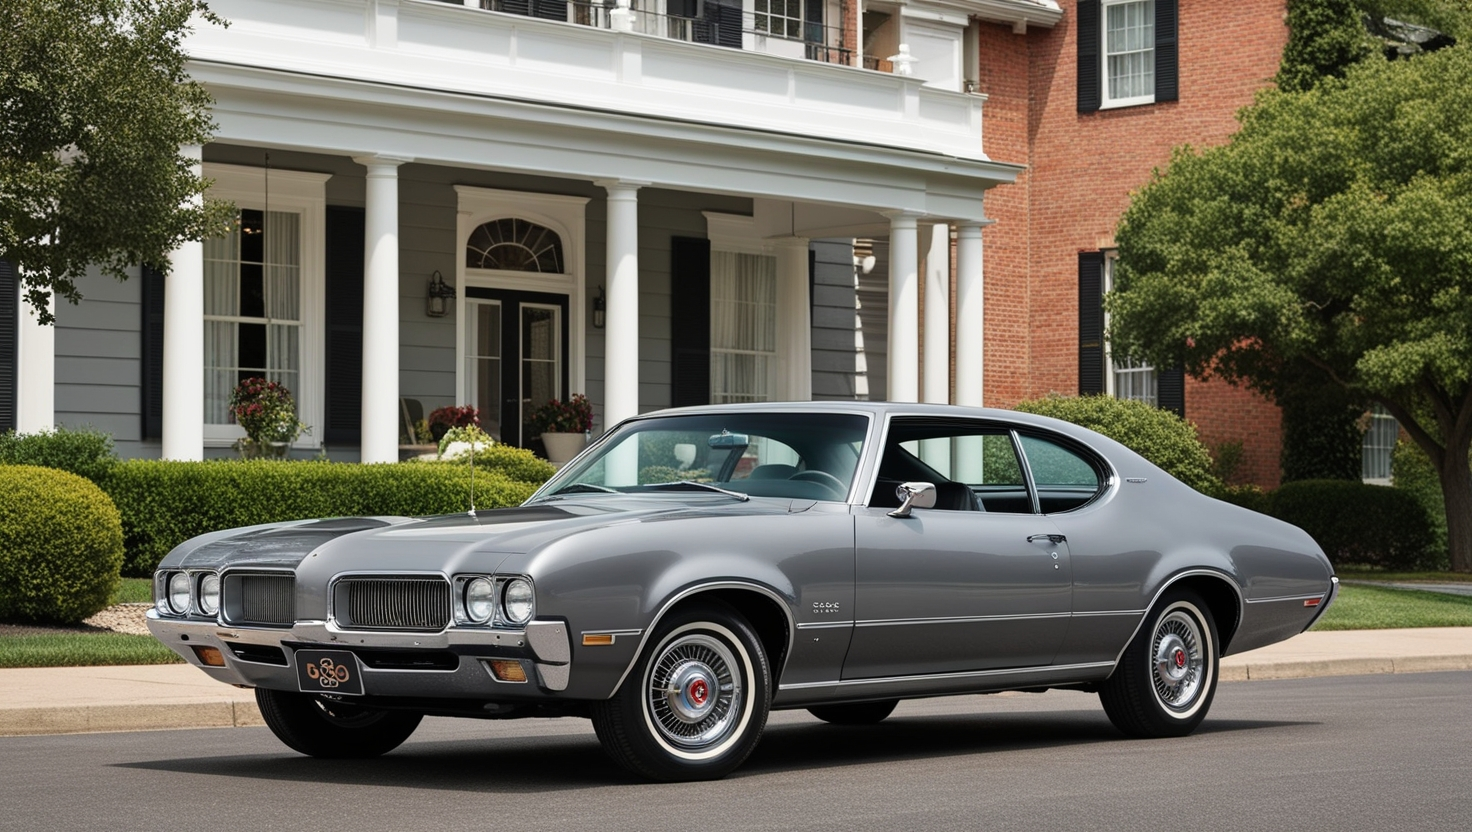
(707, 587)
(1175, 579)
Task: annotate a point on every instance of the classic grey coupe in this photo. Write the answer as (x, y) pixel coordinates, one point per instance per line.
(696, 568)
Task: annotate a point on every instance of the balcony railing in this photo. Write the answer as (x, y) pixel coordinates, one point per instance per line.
(766, 30)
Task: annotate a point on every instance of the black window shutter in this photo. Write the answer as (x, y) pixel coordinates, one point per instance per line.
(521, 7)
(1171, 388)
(151, 375)
(1090, 322)
(722, 24)
(9, 332)
(689, 321)
(344, 317)
(1089, 69)
(1167, 51)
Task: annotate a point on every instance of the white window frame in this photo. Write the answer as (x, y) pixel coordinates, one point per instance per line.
(563, 214)
(1381, 423)
(305, 194)
(1105, 101)
(1111, 384)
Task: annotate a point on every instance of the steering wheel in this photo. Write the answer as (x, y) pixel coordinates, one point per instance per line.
(822, 478)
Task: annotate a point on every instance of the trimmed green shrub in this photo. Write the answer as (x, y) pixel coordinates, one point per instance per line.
(1158, 435)
(1246, 496)
(85, 452)
(61, 544)
(1357, 523)
(165, 503)
(511, 462)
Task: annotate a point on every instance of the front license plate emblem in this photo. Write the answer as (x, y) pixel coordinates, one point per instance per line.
(328, 671)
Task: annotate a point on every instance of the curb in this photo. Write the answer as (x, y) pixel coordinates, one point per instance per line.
(242, 713)
(94, 719)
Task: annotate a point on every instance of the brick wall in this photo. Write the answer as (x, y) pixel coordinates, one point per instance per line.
(1081, 170)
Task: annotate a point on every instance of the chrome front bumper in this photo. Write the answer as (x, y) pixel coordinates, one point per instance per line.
(543, 648)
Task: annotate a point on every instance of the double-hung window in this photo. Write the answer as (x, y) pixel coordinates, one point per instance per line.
(263, 289)
(1127, 53)
(1128, 378)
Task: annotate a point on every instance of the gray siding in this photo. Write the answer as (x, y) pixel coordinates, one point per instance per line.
(834, 353)
(99, 343)
(873, 295)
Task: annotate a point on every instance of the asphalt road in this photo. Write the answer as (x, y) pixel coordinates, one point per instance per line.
(1347, 753)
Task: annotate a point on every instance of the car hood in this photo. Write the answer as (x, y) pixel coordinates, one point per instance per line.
(404, 542)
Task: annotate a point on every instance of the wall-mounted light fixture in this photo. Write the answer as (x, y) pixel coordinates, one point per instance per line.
(440, 295)
(600, 309)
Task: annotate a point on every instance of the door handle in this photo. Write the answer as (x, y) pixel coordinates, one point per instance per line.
(1051, 538)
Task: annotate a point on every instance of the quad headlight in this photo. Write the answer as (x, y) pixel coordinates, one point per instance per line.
(480, 600)
(179, 590)
(518, 601)
(209, 594)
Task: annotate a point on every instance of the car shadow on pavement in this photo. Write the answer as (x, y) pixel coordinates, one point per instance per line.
(562, 761)
(812, 745)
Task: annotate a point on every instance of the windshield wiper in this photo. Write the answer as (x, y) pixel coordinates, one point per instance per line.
(704, 486)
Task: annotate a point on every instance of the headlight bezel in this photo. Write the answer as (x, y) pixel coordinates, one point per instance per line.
(179, 584)
(488, 585)
(202, 592)
(508, 604)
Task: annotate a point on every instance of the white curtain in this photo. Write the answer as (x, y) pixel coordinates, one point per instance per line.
(743, 326)
(221, 299)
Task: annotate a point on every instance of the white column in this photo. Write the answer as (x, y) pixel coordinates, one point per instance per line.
(35, 370)
(183, 370)
(969, 315)
(794, 320)
(937, 382)
(380, 442)
(904, 308)
(621, 332)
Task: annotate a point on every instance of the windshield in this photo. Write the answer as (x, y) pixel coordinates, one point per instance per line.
(798, 455)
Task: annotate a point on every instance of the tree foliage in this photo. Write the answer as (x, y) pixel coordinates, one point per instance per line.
(1335, 228)
(95, 103)
(1325, 38)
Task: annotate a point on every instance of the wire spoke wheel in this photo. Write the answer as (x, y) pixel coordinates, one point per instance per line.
(694, 696)
(1177, 670)
(1166, 678)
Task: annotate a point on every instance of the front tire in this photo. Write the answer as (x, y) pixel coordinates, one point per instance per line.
(695, 703)
(333, 728)
(1164, 683)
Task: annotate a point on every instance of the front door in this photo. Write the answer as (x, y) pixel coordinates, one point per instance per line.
(515, 354)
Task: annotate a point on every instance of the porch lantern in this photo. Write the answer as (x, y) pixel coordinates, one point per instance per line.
(600, 309)
(439, 297)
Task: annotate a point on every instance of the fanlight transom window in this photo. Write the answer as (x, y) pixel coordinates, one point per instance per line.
(514, 245)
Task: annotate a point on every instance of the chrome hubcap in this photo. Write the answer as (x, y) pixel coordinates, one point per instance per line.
(1178, 668)
(694, 693)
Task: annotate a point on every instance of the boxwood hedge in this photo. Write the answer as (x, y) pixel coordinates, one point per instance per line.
(61, 544)
(1355, 523)
(164, 503)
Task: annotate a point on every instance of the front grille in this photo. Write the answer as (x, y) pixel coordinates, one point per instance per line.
(268, 599)
(393, 603)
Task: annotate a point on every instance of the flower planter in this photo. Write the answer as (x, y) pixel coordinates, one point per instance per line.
(562, 447)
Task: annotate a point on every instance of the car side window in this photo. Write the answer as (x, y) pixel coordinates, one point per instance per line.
(1064, 478)
(973, 466)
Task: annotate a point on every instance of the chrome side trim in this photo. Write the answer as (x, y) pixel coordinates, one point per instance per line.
(1285, 598)
(1108, 613)
(686, 593)
(1175, 579)
(614, 634)
(932, 677)
(970, 619)
(824, 625)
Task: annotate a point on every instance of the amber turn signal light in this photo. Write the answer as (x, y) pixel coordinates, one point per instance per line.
(507, 670)
(210, 656)
(597, 639)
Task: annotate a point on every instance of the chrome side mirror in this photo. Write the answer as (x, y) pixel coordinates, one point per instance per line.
(913, 495)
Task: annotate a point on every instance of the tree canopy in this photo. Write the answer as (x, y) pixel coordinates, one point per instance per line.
(1334, 229)
(95, 104)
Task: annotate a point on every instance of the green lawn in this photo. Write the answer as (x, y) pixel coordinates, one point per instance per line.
(134, 591)
(78, 649)
(1377, 608)
(1366, 573)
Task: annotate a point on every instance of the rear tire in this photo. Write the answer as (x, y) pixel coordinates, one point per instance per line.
(333, 728)
(696, 701)
(855, 713)
(1166, 679)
